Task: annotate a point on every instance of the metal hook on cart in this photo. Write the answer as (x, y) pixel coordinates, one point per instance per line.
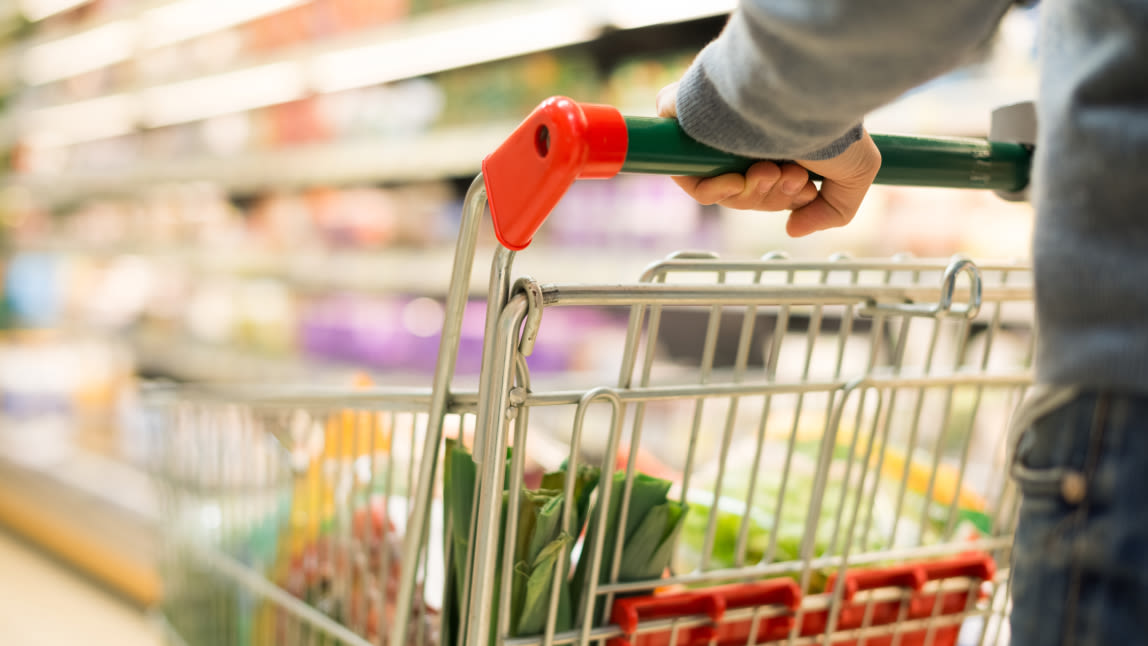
(533, 323)
(944, 305)
(948, 286)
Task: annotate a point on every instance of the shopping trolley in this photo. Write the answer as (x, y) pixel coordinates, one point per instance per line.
(829, 469)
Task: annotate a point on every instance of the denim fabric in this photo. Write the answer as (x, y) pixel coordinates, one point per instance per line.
(1080, 559)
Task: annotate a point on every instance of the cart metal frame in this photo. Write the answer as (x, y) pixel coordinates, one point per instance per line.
(930, 332)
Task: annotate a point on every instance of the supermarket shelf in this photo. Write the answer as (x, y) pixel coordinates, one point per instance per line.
(458, 151)
(193, 361)
(428, 272)
(189, 361)
(133, 10)
(454, 152)
(37, 10)
(388, 271)
(440, 41)
(94, 513)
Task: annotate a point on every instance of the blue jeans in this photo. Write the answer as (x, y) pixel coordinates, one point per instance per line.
(1080, 559)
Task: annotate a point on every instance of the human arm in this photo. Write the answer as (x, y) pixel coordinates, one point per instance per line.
(792, 79)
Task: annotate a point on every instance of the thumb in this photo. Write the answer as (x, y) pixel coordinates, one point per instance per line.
(667, 101)
(847, 180)
(835, 205)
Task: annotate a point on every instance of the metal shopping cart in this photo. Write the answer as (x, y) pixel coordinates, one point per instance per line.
(830, 470)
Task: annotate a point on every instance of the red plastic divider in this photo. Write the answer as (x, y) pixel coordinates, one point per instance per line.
(784, 595)
(714, 603)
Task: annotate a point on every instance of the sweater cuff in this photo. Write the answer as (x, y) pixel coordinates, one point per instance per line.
(707, 117)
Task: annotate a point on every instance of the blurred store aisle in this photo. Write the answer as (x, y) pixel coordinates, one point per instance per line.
(42, 603)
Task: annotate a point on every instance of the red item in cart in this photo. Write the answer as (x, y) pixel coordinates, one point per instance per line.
(975, 566)
(714, 603)
(785, 594)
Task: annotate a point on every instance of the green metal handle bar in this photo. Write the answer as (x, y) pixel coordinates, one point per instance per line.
(662, 147)
(563, 141)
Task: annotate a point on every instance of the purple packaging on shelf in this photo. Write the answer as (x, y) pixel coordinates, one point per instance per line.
(375, 335)
(402, 335)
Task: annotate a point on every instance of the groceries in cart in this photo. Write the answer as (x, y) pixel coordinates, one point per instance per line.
(720, 558)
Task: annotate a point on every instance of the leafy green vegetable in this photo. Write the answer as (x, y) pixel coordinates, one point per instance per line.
(585, 480)
(541, 549)
(731, 515)
(653, 523)
(546, 555)
(533, 584)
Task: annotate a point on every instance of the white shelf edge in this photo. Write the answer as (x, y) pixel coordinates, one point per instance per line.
(454, 38)
(456, 151)
(203, 362)
(91, 474)
(398, 271)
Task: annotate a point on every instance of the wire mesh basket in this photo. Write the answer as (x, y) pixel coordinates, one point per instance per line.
(792, 452)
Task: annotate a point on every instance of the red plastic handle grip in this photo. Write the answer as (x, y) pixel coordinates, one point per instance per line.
(630, 611)
(912, 577)
(973, 565)
(783, 592)
(559, 142)
(714, 603)
(779, 592)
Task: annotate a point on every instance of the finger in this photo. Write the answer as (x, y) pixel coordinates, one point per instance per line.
(793, 181)
(688, 183)
(667, 101)
(841, 196)
(835, 206)
(818, 215)
(777, 201)
(711, 190)
(805, 196)
(760, 179)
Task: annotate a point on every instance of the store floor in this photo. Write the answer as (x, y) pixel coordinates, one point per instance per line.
(43, 603)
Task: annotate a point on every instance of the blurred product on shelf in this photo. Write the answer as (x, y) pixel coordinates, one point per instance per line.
(927, 223)
(62, 391)
(175, 40)
(633, 84)
(646, 214)
(635, 213)
(491, 93)
(401, 109)
(403, 335)
(341, 275)
(509, 89)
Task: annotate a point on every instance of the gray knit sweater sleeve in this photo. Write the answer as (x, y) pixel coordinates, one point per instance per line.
(794, 78)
